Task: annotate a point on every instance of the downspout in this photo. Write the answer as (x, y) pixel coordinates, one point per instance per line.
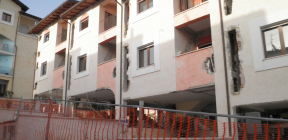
(68, 57)
(14, 65)
(225, 66)
(121, 75)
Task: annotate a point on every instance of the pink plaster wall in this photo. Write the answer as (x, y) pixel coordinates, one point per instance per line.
(189, 72)
(107, 35)
(192, 15)
(59, 48)
(105, 75)
(58, 81)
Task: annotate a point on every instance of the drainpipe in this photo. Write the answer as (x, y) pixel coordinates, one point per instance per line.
(225, 65)
(68, 57)
(121, 75)
(14, 65)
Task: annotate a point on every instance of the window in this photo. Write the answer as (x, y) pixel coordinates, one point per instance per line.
(44, 68)
(6, 17)
(146, 56)
(275, 39)
(84, 23)
(82, 63)
(144, 5)
(46, 37)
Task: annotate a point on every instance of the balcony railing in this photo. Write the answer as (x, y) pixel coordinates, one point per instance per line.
(7, 47)
(187, 4)
(6, 70)
(108, 23)
(24, 30)
(61, 37)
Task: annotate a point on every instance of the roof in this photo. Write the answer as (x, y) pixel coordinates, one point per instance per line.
(77, 8)
(53, 16)
(29, 15)
(22, 5)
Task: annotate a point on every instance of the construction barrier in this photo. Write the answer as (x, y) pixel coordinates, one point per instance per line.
(49, 120)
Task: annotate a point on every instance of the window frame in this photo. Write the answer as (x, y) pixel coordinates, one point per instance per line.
(85, 63)
(147, 3)
(42, 68)
(148, 46)
(6, 14)
(277, 25)
(81, 23)
(45, 35)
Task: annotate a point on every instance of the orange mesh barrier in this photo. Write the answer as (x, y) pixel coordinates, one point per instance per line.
(45, 119)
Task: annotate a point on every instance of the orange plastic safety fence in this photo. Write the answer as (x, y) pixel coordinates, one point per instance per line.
(41, 120)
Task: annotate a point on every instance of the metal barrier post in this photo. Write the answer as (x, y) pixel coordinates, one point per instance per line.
(141, 104)
(17, 114)
(48, 121)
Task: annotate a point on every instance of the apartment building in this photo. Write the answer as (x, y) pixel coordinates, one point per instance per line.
(179, 54)
(17, 49)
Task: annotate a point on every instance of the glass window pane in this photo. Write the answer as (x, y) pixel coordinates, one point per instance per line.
(285, 32)
(4, 17)
(272, 42)
(142, 6)
(84, 24)
(81, 64)
(143, 58)
(8, 18)
(44, 68)
(150, 3)
(151, 55)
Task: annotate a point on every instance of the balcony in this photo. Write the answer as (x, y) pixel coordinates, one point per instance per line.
(106, 75)
(23, 29)
(191, 11)
(58, 78)
(190, 69)
(7, 49)
(61, 42)
(107, 29)
(6, 71)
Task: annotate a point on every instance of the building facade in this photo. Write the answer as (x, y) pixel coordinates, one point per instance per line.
(17, 54)
(179, 54)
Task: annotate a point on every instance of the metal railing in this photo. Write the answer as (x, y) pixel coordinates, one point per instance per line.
(7, 47)
(187, 4)
(108, 23)
(6, 71)
(24, 30)
(48, 119)
(61, 37)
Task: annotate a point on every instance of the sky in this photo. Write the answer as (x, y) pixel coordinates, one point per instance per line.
(41, 8)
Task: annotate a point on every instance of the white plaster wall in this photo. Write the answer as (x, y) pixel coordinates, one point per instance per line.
(260, 86)
(85, 41)
(155, 24)
(47, 53)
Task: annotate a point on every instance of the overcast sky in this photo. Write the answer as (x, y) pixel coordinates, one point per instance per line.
(41, 8)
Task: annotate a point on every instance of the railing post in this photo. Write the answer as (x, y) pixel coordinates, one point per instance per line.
(17, 114)
(49, 118)
(141, 104)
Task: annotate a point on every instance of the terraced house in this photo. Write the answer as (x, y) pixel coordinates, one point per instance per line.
(217, 56)
(17, 49)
